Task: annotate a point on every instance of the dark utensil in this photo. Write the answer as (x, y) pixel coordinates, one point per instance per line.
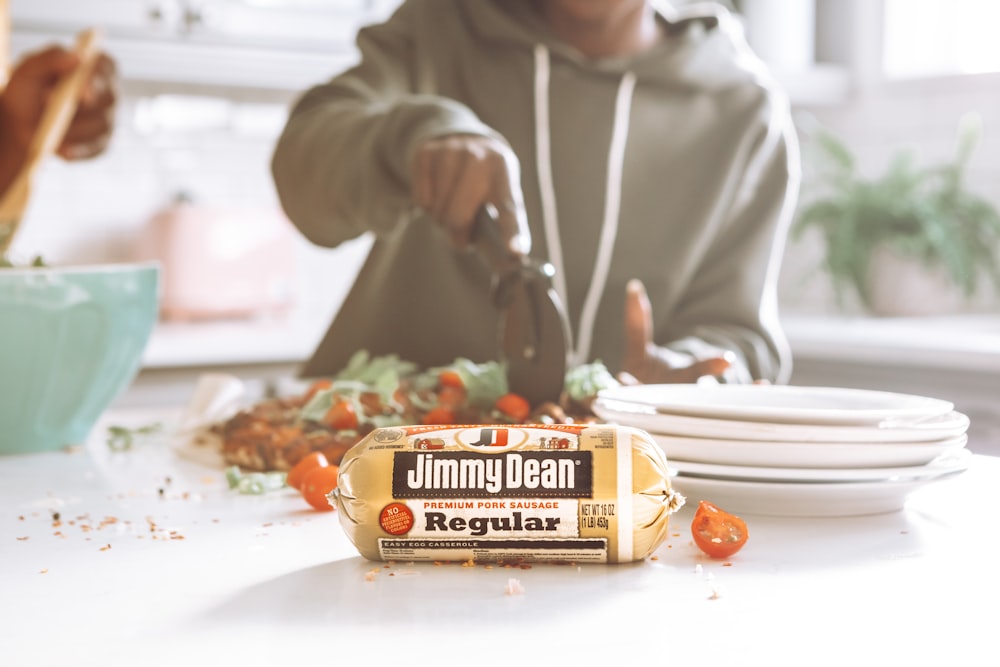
(534, 335)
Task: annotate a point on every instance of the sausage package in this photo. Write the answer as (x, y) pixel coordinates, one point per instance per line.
(506, 493)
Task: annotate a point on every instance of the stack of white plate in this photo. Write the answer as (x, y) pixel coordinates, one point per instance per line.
(795, 451)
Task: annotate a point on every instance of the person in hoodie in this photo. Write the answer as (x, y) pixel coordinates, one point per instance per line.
(643, 149)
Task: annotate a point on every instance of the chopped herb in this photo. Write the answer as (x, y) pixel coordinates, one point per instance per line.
(255, 483)
(7, 263)
(122, 438)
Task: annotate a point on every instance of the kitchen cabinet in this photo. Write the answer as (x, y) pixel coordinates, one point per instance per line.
(273, 44)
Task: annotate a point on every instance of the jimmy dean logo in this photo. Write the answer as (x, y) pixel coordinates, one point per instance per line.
(564, 474)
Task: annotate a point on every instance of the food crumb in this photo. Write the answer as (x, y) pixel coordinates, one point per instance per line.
(44, 571)
(727, 564)
(371, 575)
(22, 539)
(513, 587)
(717, 592)
(654, 557)
(469, 563)
(106, 547)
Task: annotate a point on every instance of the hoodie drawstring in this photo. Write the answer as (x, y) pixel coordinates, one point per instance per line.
(612, 204)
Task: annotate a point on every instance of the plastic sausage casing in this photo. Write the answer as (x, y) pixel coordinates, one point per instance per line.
(503, 493)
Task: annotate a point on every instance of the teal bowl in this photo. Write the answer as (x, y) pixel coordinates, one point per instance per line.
(71, 340)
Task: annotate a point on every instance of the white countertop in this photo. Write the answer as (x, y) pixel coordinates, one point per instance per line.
(198, 574)
(960, 342)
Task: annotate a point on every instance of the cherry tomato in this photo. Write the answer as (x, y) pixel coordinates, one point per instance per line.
(450, 379)
(514, 406)
(305, 464)
(451, 397)
(317, 483)
(439, 415)
(717, 532)
(342, 416)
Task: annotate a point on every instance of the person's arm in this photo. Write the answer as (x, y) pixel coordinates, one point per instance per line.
(23, 101)
(727, 324)
(343, 163)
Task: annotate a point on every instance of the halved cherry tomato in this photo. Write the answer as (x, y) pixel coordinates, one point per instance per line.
(342, 416)
(305, 464)
(514, 406)
(450, 379)
(440, 416)
(317, 483)
(717, 532)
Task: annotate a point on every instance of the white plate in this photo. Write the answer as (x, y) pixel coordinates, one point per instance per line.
(806, 454)
(802, 499)
(783, 404)
(951, 461)
(646, 417)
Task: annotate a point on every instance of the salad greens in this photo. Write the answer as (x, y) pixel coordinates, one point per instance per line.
(483, 385)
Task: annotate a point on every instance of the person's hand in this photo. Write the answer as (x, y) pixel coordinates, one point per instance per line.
(454, 175)
(29, 87)
(647, 363)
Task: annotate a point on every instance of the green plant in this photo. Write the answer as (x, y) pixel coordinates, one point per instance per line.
(923, 213)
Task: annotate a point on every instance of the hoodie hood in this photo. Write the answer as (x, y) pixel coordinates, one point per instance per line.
(704, 48)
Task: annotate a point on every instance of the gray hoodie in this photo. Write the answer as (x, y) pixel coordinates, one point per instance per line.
(677, 166)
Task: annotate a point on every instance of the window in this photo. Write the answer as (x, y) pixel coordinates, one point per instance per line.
(940, 37)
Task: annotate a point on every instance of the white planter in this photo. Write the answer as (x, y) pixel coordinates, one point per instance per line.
(902, 286)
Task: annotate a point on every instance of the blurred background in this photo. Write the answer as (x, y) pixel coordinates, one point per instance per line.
(888, 280)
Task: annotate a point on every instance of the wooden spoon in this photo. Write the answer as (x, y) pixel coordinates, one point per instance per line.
(49, 134)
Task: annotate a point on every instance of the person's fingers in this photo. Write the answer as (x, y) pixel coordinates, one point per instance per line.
(638, 326)
(85, 146)
(422, 177)
(690, 374)
(512, 216)
(449, 163)
(89, 130)
(469, 191)
(462, 210)
(46, 66)
(101, 88)
(627, 379)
